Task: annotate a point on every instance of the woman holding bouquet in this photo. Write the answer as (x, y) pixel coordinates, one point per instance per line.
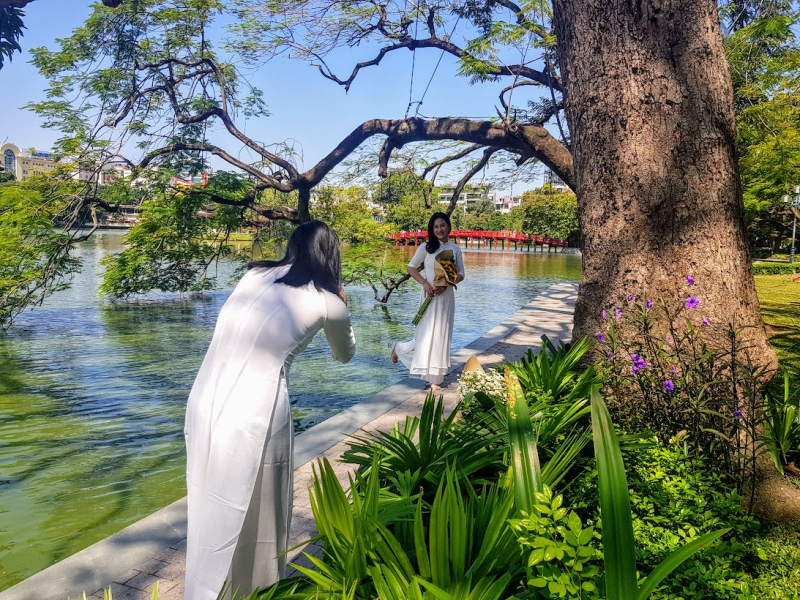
(428, 354)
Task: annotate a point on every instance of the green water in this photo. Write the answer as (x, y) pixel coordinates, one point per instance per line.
(92, 394)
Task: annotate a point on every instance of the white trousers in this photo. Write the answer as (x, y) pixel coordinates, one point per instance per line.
(259, 559)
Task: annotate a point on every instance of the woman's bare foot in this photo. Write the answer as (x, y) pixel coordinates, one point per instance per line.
(394, 357)
(436, 387)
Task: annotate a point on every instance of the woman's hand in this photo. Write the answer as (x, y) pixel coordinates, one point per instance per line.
(342, 295)
(429, 290)
(439, 290)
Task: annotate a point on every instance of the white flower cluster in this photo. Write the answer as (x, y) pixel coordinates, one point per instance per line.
(491, 383)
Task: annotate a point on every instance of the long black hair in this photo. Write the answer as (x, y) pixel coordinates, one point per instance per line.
(313, 253)
(433, 241)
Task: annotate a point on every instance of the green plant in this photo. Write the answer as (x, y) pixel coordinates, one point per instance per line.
(781, 426)
(619, 552)
(564, 557)
(671, 371)
(773, 268)
(554, 373)
(415, 456)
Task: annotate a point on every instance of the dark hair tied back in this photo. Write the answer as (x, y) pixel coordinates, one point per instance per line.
(433, 242)
(313, 253)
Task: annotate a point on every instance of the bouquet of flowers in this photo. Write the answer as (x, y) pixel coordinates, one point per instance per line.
(444, 275)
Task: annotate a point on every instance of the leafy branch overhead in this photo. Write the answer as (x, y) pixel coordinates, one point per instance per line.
(152, 81)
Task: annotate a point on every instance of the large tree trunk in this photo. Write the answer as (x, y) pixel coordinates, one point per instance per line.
(648, 100)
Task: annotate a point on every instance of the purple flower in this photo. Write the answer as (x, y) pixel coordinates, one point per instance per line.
(590, 357)
(737, 413)
(668, 385)
(706, 322)
(605, 315)
(673, 372)
(634, 370)
(638, 361)
(631, 298)
(600, 337)
(618, 312)
(648, 305)
(690, 280)
(668, 339)
(609, 355)
(692, 302)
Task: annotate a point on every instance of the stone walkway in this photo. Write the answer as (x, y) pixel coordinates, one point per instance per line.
(157, 544)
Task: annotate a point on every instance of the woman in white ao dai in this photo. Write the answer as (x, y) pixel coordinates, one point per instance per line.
(428, 354)
(238, 419)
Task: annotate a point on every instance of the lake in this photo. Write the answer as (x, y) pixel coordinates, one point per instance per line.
(93, 393)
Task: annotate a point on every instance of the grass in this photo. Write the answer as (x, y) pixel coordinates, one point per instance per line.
(780, 307)
(778, 573)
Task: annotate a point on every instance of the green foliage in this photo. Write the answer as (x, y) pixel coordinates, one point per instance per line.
(380, 266)
(345, 210)
(35, 258)
(619, 554)
(7, 176)
(11, 27)
(564, 559)
(414, 458)
(551, 215)
(773, 268)
(525, 466)
(764, 59)
(670, 370)
(170, 248)
(781, 426)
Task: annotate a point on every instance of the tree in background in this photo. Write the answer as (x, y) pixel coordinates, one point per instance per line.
(551, 214)
(765, 65)
(345, 210)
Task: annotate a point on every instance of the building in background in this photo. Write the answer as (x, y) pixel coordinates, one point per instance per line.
(556, 184)
(471, 194)
(504, 204)
(25, 162)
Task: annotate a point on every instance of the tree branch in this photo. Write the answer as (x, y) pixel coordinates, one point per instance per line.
(487, 154)
(435, 42)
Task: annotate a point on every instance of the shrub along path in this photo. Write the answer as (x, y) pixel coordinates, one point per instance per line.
(154, 549)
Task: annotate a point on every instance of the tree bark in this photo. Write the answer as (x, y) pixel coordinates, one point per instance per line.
(649, 103)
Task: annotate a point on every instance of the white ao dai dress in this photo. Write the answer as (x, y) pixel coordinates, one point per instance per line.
(239, 431)
(428, 355)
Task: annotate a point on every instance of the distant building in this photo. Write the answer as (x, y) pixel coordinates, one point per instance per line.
(471, 194)
(25, 162)
(556, 184)
(504, 204)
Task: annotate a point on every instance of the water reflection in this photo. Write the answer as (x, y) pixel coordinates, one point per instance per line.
(92, 394)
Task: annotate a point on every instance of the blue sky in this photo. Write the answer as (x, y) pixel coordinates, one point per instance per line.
(305, 107)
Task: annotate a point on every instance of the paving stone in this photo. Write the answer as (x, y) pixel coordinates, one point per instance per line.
(171, 572)
(176, 593)
(180, 545)
(143, 581)
(128, 576)
(151, 566)
(173, 556)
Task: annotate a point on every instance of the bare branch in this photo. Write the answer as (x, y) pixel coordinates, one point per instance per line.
(435, 165)
(435, 42)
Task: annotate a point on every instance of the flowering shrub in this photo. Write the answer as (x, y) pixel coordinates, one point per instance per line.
(671, 370)
(491, 383)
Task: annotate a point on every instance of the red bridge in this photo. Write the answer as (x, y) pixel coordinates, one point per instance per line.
(492, 238)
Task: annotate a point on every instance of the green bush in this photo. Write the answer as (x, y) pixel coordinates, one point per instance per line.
(675, 499)
(773, 268)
